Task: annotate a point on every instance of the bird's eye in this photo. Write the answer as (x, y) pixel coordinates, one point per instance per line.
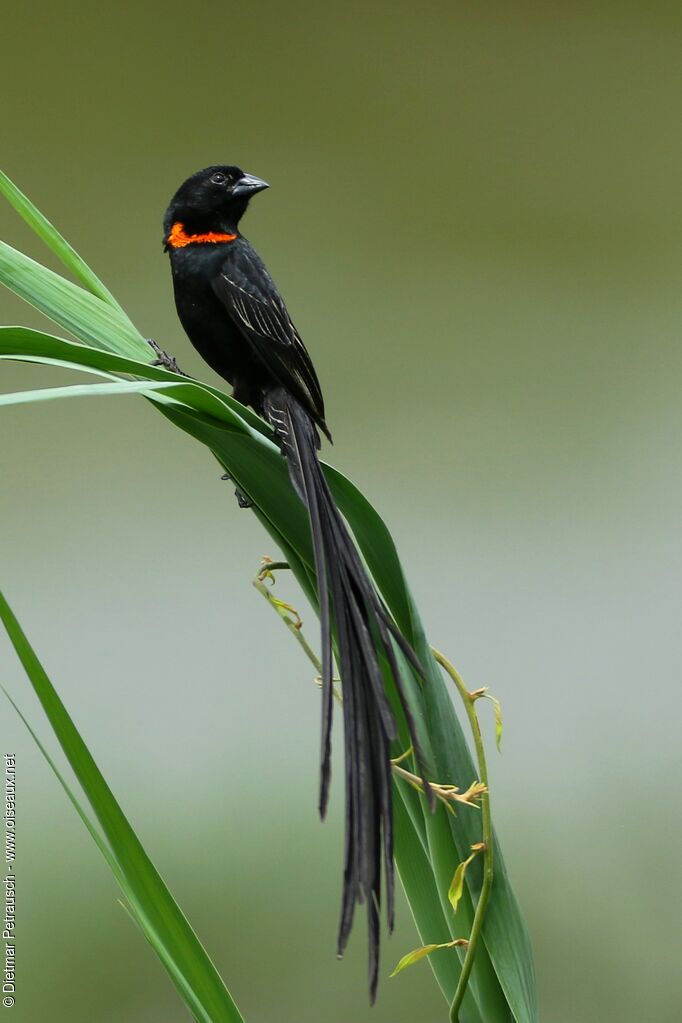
(218, 178)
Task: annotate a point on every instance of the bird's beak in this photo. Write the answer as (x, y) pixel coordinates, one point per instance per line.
(248, 185)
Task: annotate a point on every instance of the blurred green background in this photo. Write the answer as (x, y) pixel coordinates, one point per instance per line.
(475, 220)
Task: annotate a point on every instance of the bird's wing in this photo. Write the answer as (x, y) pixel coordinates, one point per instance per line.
(248, 292)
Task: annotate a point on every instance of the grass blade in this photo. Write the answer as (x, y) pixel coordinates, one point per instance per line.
(175, 390)
(81, 313)
(39, 223)
(26, 345)
(81, 391)
(153, 906)
(78, 807)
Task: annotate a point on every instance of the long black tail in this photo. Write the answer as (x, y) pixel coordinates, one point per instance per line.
(362, 623)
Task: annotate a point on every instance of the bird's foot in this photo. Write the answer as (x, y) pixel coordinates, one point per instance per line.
(164, 359)
(242, 501)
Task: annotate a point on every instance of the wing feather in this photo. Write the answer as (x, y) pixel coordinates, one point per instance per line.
(248, 292)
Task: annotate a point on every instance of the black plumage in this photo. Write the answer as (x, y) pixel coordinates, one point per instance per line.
(236, 319)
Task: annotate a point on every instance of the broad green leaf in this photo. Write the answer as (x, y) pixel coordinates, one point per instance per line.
(80, 391)
(84, 315)
(175, 390)
(151, 903)
(54, 241)
(416, 875)
(23, 344)
(505, 934)
(444, 858)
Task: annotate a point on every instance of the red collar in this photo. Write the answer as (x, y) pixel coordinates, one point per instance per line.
(177, 239)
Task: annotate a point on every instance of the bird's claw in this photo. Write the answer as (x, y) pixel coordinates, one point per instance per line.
(164, 359)
(242, 501)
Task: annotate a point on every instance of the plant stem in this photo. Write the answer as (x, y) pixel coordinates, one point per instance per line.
(284, 610)
(486, 887)
(469, 699)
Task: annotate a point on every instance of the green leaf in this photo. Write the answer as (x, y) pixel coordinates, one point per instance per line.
(54, 241)
(25, 345)
(173, 391)
(456, 889)
(415, 956)
(210, 401)
(417, 877)
(77, 310)
(94, 833)
(151, 904)
(426, 950)
(505, 934)
(498, 723)
(457, 884)
(81, 391)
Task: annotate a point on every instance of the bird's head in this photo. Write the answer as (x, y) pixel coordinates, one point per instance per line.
(213, 199)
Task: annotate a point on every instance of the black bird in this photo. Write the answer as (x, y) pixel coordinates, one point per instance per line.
(236, 319)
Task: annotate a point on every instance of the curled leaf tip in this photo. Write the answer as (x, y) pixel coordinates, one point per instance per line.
(456, 889)
(413, 957)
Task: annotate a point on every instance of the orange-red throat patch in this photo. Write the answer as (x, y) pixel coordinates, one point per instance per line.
(177, 239)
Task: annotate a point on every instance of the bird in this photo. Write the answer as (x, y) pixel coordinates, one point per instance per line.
(236, 319)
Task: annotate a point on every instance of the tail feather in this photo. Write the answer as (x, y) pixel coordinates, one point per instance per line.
(362, 623)
(296, 445)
